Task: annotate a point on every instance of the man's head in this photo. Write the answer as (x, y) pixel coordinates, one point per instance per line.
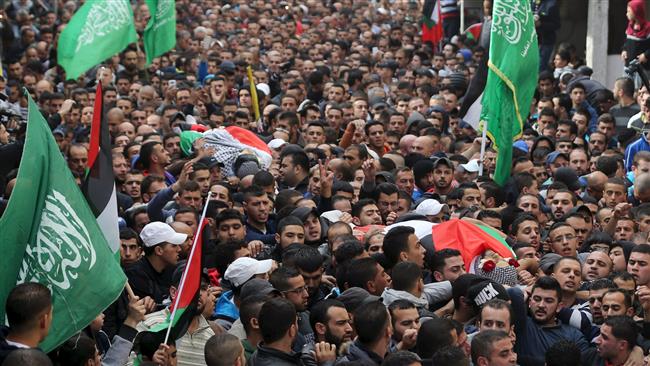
(365, 212)
(372, 324)
(331, 322)
(617, 302)
(162, 245)
(224, 349)
(294, 167)
(256, 205)
(368, 274)
(230, 225)
(563, 240)
(563, 201)
(447, 264)
(545, 300)
(401, 244)
(310, 263)
(404, 316)
(190, 195)
(277, 320)
(290, 230)
(639, 264)
(29, 311)
(130, 246)
(493, 348)
(292, 285)
(496, 314)
(386, 195)
(617, 338)
(597, 290)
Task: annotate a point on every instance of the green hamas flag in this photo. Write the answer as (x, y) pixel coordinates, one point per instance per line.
(512, 78)
(160, 33)
(97, 31)
(48, 234)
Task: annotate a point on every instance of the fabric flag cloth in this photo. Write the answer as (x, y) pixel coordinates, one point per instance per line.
(512, 78)
(48, 234)
(97, 31)
(470, 239)
(232, 141)
(160, 32)
(470, 110)
(474, 31)
(99, 185)
(183, 308)
(253, 90)
(432, 22)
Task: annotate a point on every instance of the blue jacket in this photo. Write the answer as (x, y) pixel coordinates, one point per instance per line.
(641, 144)
(226, 308)
(533, 340)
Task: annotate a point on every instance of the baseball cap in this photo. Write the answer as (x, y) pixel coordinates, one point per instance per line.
(485, 291)
(210, 162)
(443, 160)
(157, 232)
(276, 144)
(429, 207)
(303, 213)
(354, 297)
(257, 286)
(471, 166)
(244, 268)
(550, 159)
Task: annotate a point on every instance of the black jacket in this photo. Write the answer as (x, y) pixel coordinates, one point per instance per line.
(265, 356)
(145, 281)
(5, 348)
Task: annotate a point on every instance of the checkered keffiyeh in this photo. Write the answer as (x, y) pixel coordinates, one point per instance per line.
(227, 149)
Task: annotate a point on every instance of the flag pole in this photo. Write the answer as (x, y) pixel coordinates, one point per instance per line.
(462, 16)
(483, 142)
(187, 267)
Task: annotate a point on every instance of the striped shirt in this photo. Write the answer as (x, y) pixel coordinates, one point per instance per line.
(189, 348)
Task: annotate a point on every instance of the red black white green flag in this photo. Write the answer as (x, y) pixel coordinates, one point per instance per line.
(431, 22)
(99, 185)
(184, 305)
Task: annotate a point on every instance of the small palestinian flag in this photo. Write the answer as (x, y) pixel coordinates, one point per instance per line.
(470, 239)
(431, 22)
(470, 110)
(474, 31)
(99, 185)
(183, 308)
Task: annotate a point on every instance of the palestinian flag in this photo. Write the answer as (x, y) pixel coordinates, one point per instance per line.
(183, 308)
(232, 141)
(474, 31)
(470, 239)
(431, 22)
(470, 110)
(99, 185)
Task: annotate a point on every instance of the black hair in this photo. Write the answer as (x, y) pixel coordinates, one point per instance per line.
(360, 271)
(396, 241)
(437, 262)
(549, 283)
(250, 308)
(433, 335)
(276, 316)
(358, 207)
(370, 322)
(318, 312)
(308, 259)
(25, 303)
(623, 328)
(482, 344)
(280, 278)
(405, 276)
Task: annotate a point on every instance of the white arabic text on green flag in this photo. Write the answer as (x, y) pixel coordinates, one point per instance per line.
(512, 78)
(97, 31)
(48, 234)
(160, 33)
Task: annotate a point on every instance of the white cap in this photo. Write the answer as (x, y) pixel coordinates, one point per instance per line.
(158, 232)
(244, 268)
(429, 207)
(264, 88)
(471, 166)
(276, 144)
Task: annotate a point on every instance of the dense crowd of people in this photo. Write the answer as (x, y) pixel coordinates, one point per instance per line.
(363, 122)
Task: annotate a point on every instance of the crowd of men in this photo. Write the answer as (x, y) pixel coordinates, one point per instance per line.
(363, 122)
